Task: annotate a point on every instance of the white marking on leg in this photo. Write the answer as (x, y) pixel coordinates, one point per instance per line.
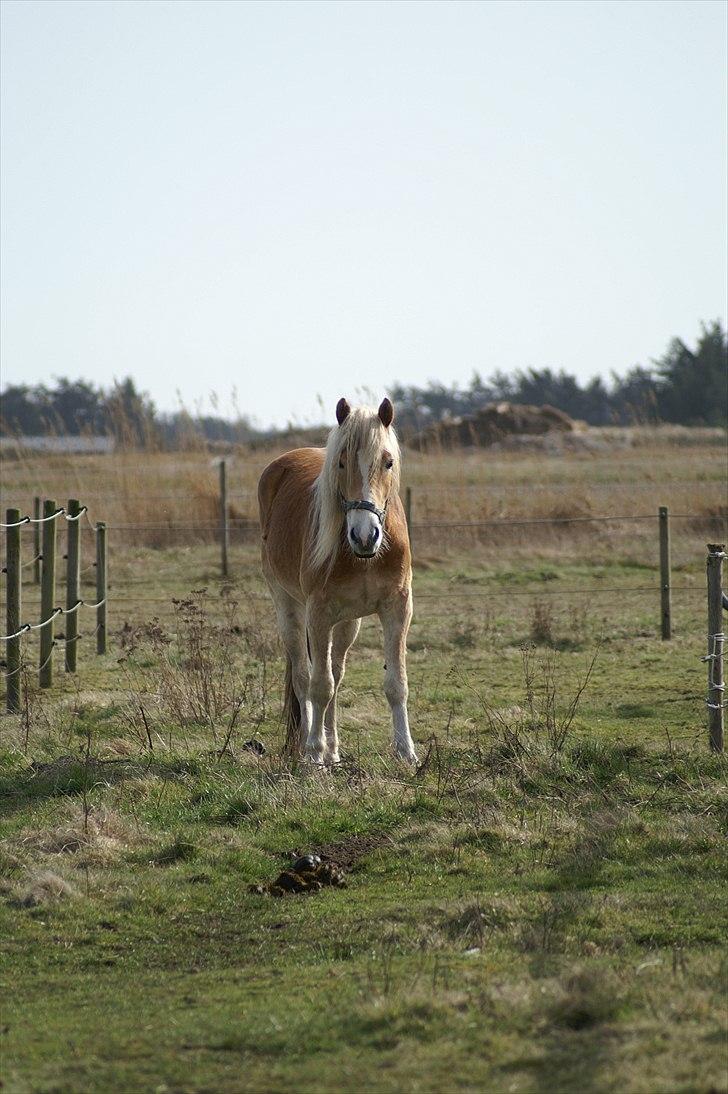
(321, 688)
(343, 638)
(395, 617)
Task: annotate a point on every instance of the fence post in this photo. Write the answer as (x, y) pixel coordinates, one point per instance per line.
(408, 511)
(716, 554)
(12, 615)
(47, 595)
(665, 596)
(36, 542)
(224, 533)
(73, 581)
(101, 587)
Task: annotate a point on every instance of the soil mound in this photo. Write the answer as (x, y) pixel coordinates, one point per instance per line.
(493, 423)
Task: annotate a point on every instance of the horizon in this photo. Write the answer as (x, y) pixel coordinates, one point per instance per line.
(300, 201)
(212, 409)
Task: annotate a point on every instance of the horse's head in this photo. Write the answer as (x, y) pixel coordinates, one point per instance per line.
(363, 455)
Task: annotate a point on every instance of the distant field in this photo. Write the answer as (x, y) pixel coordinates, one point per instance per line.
(173, 497)
(539, 907)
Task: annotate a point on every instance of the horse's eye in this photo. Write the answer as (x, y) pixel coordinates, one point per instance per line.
(389, 464)
(341, 465)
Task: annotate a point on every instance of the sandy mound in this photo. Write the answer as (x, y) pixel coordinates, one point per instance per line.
(492, 424)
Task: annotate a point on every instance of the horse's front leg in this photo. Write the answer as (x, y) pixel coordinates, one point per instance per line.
(396, 615)
(321, 686)
(344, 635)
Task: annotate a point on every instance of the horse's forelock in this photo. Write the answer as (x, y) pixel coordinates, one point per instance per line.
(362, 433)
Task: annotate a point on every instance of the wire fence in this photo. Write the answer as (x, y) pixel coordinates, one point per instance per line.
(44, 562)
(206, 513)
(50, 612)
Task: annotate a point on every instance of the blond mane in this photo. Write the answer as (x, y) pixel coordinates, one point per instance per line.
(361, 432)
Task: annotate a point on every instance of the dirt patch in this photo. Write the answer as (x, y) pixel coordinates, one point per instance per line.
(346, 853)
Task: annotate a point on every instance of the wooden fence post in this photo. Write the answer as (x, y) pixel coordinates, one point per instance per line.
(73, 582)
(47, 595)
(12, 614)
(36, 542)
(665, 596)
(224, 532)
(101, 614)
(408, 511)
(716, 554)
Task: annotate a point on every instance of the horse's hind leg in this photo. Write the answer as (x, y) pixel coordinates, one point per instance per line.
(344, 636)
(290, 616)
(396, 615)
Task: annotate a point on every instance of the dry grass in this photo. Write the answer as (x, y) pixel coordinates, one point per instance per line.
(42, 887)
(159, 499)
(98, 835)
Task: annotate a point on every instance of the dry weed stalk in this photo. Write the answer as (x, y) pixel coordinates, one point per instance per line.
(542, 633)
(191, 675)
(544, 721)
(546, 715)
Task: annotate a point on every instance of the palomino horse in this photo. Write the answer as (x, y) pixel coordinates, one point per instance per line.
(335, 548)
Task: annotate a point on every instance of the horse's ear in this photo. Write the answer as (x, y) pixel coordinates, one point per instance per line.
(342, 411)
(386, 412)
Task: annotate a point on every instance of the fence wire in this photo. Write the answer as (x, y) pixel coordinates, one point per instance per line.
(60, 512)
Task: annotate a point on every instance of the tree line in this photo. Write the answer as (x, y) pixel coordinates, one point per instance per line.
(684, 386)
(76, 408)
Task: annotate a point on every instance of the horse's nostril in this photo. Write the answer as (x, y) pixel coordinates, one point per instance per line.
(375, 534)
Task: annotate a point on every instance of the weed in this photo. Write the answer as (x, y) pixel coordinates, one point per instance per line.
(542, 623)
(190, 675)
(547, 715)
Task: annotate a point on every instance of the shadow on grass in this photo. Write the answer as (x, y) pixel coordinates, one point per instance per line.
(69, 776)
(577, 1042)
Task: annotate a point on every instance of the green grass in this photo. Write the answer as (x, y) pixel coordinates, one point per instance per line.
(534, 914)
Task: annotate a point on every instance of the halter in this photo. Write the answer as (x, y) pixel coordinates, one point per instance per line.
(368, 505)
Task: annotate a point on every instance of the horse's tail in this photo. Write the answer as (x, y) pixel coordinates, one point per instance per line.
(291, 714)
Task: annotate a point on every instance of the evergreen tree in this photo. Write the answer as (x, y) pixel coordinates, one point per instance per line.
(693, 386)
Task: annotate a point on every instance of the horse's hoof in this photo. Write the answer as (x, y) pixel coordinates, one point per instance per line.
(407, 757)
(333, 758)
(316, 759)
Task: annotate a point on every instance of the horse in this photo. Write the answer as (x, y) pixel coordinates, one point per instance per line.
(335, 547)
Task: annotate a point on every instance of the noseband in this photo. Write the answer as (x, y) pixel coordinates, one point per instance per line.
(368, 505)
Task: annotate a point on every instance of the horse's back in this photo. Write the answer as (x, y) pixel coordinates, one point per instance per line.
(284, 500)
(287, 480)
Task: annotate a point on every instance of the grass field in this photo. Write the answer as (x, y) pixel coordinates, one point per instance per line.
(540, 906)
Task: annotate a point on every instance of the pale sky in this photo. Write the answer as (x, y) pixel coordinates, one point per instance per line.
(303, 199)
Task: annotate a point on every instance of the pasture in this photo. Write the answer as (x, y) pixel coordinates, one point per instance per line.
(539, 906)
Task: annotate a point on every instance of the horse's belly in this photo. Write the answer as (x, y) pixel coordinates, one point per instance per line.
(281, 571)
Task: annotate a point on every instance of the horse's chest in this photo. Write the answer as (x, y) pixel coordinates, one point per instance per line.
(361, 595)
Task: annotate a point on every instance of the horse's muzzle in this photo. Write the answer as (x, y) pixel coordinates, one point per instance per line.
(366, 548)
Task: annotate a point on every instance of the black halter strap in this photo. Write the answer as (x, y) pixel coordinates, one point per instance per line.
(368, 505)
